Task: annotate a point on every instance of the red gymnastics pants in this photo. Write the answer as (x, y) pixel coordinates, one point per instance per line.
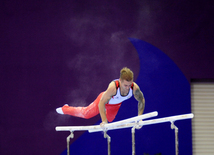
(92, 110)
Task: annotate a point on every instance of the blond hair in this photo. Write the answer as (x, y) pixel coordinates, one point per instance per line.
(126, 74)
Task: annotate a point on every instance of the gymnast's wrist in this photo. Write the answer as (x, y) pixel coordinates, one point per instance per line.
(104, 122)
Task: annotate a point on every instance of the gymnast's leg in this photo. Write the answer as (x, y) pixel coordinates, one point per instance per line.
(83, 112)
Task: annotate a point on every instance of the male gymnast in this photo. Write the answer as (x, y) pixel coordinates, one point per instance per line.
(108, 102)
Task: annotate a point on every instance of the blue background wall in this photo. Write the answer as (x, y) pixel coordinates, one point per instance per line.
(56, 52)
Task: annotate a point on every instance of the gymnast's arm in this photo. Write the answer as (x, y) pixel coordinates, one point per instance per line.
(140, 98)
(111, 90)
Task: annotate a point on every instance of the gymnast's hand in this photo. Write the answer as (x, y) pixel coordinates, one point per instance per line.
(102, 125)
(139, 126)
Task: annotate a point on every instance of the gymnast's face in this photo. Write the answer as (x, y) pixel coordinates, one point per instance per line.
(125, 86)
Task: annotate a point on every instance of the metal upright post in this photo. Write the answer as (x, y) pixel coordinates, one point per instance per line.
(176, 138)
(68, 142)
(108, 141)
(133, 140)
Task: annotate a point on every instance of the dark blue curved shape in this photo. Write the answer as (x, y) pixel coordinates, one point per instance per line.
(167, 91)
